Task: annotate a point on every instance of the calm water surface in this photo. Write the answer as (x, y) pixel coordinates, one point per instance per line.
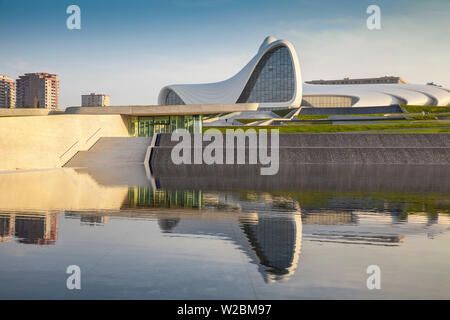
(277, 241)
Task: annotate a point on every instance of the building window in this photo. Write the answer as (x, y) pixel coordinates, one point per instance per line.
(327, 101)
(273, 79)
(148, 126)
(173, 98)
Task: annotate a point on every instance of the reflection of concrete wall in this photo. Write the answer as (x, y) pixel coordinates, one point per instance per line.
(62, 189)
(50, 141)
(367, 178)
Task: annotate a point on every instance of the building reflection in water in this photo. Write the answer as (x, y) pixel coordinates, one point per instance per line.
(153, 198)
(267, 228)
(275, 245)
(87, 219)
(6, 227)
(29, 228)
(271, 241)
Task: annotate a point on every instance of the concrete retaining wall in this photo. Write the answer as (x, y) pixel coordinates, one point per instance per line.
(338, 148)
(50, 141)
(349, 140)
(289, 155)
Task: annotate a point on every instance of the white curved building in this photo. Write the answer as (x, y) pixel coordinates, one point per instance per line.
(372, 95)
(273, 79)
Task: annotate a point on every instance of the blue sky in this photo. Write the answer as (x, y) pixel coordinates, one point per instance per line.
(130, 49)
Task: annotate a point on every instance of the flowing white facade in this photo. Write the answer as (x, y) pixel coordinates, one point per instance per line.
(273, 79)
(372, 95)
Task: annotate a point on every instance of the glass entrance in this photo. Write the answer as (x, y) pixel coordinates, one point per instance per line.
(148, 126)
(145, 126)
(161, 125)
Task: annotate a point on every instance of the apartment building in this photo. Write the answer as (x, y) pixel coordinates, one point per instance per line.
(95, 100)
(7, 92)
(37, 90)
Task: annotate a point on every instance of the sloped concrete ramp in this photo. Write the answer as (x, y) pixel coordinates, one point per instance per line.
(112, 151)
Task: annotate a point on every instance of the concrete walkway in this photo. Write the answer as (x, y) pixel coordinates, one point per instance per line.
(112, 151)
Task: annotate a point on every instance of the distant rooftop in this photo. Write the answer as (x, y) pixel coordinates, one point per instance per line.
(379, 80)
(95, 94)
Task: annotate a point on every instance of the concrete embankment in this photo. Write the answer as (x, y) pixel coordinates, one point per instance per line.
(335, 148)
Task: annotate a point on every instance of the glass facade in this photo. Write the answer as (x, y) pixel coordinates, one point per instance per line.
(173, 98)
(148, 126)
(150, 198)
(327, 101)
(273, 79)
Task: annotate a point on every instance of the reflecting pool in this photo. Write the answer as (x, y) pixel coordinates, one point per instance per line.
(309, 233)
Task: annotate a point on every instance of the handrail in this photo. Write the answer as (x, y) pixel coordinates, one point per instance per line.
(68, 149)
(73, 145)
(93, 134)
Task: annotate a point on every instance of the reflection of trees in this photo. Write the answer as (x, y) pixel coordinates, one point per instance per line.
(397, 203)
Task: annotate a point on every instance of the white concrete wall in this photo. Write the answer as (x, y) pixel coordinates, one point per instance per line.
(50, 141)
(17, 112)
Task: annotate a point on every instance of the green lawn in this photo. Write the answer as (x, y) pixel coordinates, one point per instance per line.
(429, 109)
(418, 123)
(437, 130)
(422, 117)
(319, 128)
(410, 203)
(325, 116)
(303, 123)
(312, 117)
(245, 121)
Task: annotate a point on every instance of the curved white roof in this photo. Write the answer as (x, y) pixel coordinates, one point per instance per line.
(228, 91)
(366, 95)
(369, 95)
